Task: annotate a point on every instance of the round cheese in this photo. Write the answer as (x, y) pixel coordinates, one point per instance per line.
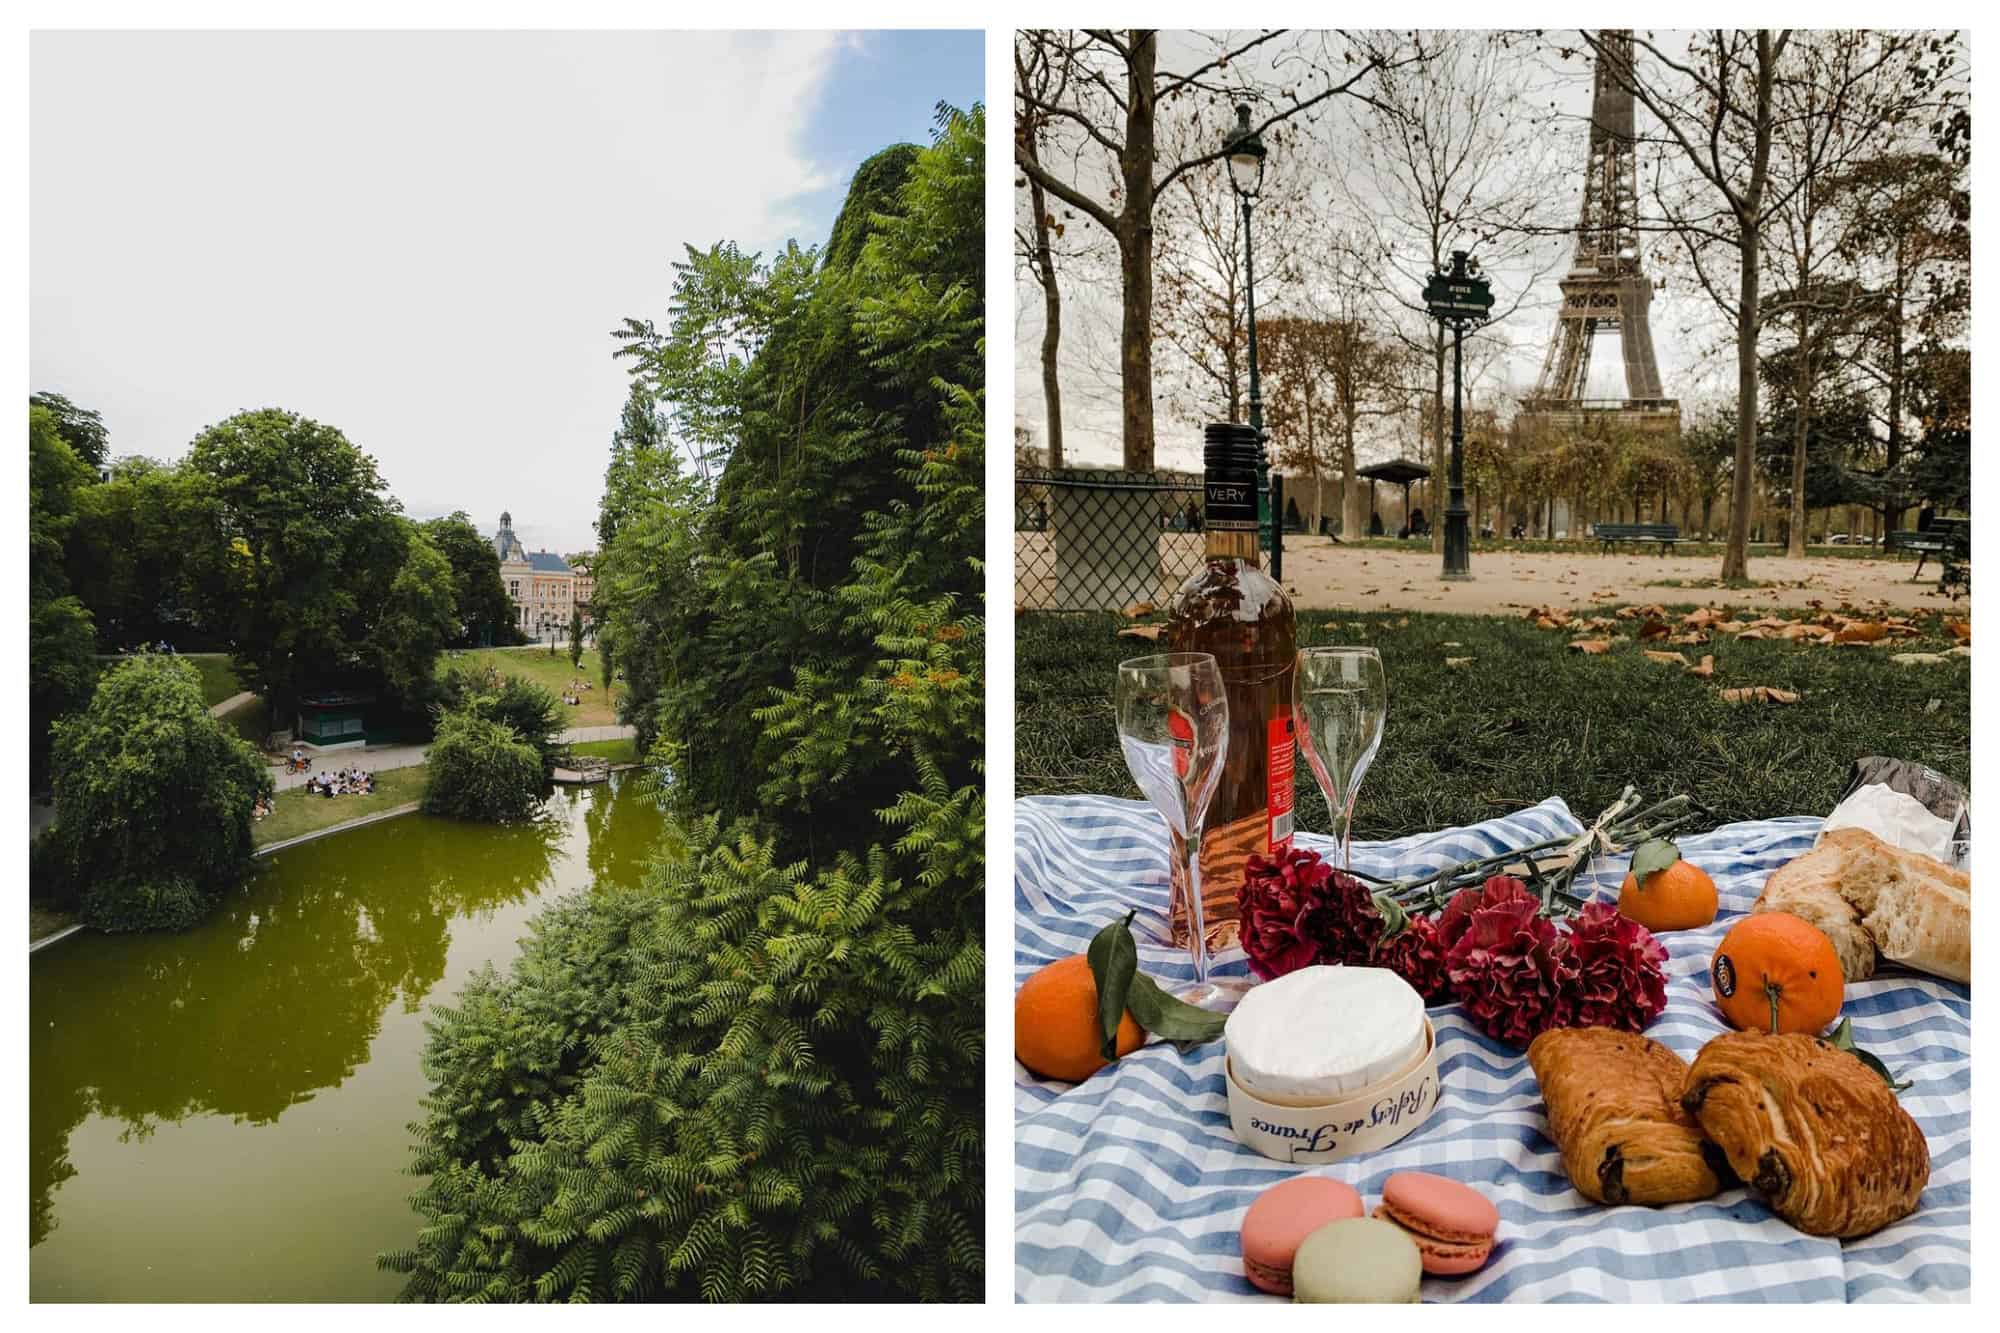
(1322, 1034)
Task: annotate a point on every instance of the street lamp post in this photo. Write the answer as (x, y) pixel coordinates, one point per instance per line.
(1245, 150)
(1457, 298)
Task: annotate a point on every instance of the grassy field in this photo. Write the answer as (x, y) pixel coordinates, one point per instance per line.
(1528, 718)
(46, 921)
(295, 812)
(624, 751)
(599, 706)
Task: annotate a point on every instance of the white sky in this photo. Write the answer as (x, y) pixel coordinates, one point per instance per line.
(1685, 325)
(421, 238)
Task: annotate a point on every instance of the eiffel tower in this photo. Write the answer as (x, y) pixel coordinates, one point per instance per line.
(1607, 289)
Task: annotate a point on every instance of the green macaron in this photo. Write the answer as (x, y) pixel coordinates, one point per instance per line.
(1357, 1261)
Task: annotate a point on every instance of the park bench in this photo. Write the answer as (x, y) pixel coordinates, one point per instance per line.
(1950, 540)
(1663, 535)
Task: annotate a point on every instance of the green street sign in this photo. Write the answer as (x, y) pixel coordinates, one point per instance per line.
(1450, 297)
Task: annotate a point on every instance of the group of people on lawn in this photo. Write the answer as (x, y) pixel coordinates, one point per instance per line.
(573, 693)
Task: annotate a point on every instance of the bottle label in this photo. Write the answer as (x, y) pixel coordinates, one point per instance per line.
(1180, 732)
(1230, 503)
(1278, 798)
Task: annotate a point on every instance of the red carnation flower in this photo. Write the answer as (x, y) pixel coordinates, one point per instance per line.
(1458, 912)
(1510, 967)
(1414, 954)
(1620, 977)
(1348, 925)
(1277, 905)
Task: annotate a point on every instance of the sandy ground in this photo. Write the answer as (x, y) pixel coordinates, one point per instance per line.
(1319, 574)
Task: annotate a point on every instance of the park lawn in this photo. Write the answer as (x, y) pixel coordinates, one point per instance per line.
(44, 921)
(599, 706)
(295, 812)
(1529, 718)
(623, 751)
(218, 676)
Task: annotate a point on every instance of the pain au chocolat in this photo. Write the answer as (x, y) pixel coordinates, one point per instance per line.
(1813, 1130)
(1614, 1108)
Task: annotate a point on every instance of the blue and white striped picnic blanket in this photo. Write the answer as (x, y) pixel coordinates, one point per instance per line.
(1129, 1186)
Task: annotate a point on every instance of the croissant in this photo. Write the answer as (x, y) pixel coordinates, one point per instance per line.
(1614, 1109)
(1812, 1129)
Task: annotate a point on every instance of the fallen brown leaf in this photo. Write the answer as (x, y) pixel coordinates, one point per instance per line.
(1960, 630)
(1760, 694)
(1591, 645)
(1141, 632)
(1653, 629)
(1860, 631)
(1704, 668)
(1693, 637)
(1456, 662)
(1137, 609)
(1657, 656)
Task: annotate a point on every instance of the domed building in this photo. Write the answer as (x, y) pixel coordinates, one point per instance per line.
(541, 584)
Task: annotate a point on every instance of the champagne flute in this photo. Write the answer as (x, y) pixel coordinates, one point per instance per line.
(1173, 725)
(1341, 697)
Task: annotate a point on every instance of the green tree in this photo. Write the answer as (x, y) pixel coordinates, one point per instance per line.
(317, 541)
(148, 553)
(62, 670)
(484, 612)
(778, 1086)
(576, 635)
(416, 620)
(481, 769)
(56, 475)
(153, 801)
(528, 710)
(81, 428)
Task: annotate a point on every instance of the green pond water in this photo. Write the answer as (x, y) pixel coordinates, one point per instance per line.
(223, 1115)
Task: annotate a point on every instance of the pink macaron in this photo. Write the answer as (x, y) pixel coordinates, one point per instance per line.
(1452, 1224)
(1285, 1215)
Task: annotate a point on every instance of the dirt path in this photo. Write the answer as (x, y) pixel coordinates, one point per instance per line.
(1322, 575)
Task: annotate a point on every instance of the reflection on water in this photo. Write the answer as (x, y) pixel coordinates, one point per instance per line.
(223, 1114)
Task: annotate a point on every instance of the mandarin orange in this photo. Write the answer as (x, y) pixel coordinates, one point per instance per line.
(1056, 1034)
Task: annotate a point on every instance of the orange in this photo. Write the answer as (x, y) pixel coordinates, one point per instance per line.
(1775, 972)
(1055, 1022)
(1678, 897)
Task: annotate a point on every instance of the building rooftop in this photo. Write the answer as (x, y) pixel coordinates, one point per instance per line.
(547, 562)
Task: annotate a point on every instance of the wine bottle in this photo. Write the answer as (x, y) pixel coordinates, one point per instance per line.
(1237, 612)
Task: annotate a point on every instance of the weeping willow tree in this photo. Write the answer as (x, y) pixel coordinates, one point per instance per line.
(756, 1072)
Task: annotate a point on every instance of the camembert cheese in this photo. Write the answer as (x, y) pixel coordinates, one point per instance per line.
(1322, 1034)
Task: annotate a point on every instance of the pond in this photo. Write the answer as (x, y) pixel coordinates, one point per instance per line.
(223, 1115)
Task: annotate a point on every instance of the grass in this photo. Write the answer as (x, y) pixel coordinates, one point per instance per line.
(625, 751)
(1528, 719)
(1732, 585)
(46, 921)
(218, 676)
(599, 706)
(295, 812)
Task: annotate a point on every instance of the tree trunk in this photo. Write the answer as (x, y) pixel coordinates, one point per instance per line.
(1736, 556)
(1801, 411)
(1353, 497)
(1051, 322)
(1135, 253)
(1895, 511)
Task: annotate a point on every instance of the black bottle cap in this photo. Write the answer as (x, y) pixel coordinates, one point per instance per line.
(1229, 457)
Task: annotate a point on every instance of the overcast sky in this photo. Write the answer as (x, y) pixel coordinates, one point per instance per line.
(1686, 328)
(425, 239)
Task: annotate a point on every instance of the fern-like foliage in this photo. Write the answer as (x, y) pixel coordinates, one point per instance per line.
(758, 1072)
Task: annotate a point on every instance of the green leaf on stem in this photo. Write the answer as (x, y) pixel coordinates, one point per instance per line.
(1842, 1038)
(1114, 960)
(1653, 857)
(1176, 1020)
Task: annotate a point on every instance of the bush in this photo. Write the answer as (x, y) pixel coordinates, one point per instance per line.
(482, 770)
(153, 802)
(529, 710)
(62, 669)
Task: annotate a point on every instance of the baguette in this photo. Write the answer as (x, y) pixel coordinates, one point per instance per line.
(1869, 897)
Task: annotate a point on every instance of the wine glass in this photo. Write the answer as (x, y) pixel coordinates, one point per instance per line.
(1173, 725)
(1341, 697)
